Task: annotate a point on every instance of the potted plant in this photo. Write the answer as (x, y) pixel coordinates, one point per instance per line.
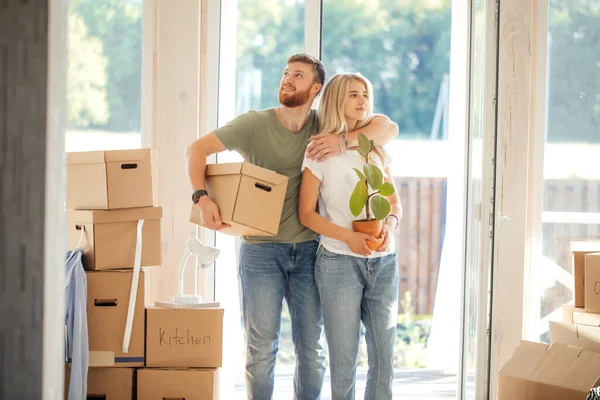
(369, 194)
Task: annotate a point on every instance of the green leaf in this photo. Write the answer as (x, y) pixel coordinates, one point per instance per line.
(371, 145)
(359, 198)
(361, 176)
(364, 145)
(386, 189)
(374, 176)
(380, 206)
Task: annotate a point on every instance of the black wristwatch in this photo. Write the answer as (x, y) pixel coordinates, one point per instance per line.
(197, 194)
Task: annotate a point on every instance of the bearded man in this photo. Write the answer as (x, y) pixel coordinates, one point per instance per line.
(282, 266)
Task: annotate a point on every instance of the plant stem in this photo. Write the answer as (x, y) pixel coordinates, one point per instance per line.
(367, 208)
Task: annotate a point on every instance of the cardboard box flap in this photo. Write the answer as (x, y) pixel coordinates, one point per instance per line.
(558, 365)
(586, 337)
(263, 174)
(583, 373)
(584, 318)
(223, 169)
(246, 169)
(559, 357)
(567, 312)
(85, 157)
(525, 360)
(126, 155)
(128, 214)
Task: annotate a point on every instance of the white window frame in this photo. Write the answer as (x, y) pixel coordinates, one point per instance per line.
(519, 156)
(313, 27)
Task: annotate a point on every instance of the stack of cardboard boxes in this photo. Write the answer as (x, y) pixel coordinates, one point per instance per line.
(580, 325)
(569, 367)
(174, 352)
(108, 193)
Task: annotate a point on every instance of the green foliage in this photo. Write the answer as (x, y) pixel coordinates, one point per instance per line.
(402, 46)
(117, 25)
(373, 178)
(412, 332)
(574, 78)
(359, 197)
(86, 83)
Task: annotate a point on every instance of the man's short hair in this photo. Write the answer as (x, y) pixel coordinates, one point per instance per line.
(315, 62)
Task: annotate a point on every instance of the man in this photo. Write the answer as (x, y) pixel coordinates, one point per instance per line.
(281, 266)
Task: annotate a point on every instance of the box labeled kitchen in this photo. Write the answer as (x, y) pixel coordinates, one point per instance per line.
(184, 337)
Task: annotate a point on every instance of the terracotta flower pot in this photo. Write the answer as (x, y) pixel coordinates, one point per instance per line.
(373, 228)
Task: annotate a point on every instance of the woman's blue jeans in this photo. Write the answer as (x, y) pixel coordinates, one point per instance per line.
(355, 289)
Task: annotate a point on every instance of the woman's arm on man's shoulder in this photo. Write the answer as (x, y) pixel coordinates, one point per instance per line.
(381, 130)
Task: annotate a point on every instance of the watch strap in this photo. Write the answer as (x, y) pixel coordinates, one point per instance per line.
(197, 194)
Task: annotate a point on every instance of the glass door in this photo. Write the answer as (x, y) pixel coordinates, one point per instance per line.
(419, 57)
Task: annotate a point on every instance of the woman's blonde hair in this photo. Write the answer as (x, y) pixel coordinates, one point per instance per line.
(334, 98)
(331, 106)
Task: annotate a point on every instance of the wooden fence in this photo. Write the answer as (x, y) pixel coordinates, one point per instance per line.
(419, 238)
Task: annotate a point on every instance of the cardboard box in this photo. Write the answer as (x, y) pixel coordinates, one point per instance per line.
(592, 282)
(585, 336)
(107, 383)
(109, 237)
(107, 306)
(184, 337)
(579, 249)
(538, 371)
(567, 312)
(108, 180)
(250, 198)
(190, 384)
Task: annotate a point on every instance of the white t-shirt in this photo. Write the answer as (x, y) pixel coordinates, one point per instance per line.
(338, 180)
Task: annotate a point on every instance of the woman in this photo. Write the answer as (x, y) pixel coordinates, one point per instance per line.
(355, 284)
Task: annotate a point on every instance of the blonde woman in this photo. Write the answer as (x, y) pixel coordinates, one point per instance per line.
(355, 284)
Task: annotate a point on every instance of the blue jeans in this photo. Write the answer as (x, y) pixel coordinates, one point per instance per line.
(269, 272)
(354, 289)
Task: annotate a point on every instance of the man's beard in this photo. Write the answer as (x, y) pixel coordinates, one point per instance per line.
(295, 100)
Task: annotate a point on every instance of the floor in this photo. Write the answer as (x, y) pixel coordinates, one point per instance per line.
(420, 384)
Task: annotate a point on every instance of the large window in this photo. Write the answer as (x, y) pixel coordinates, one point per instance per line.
(104, 74)
(571, 178)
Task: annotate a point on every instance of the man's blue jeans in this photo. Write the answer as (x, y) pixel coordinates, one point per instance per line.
(269, 272)
(355, 289)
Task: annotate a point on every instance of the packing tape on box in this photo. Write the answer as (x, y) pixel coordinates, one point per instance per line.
(137, 263)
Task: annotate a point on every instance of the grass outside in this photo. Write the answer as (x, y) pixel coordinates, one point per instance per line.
(410, 350)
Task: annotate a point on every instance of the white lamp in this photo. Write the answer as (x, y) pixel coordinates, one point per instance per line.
(205, 255)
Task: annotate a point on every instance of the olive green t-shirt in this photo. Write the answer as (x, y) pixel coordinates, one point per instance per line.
(261, 140)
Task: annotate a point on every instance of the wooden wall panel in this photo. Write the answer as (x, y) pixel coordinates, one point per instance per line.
(31, 253)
